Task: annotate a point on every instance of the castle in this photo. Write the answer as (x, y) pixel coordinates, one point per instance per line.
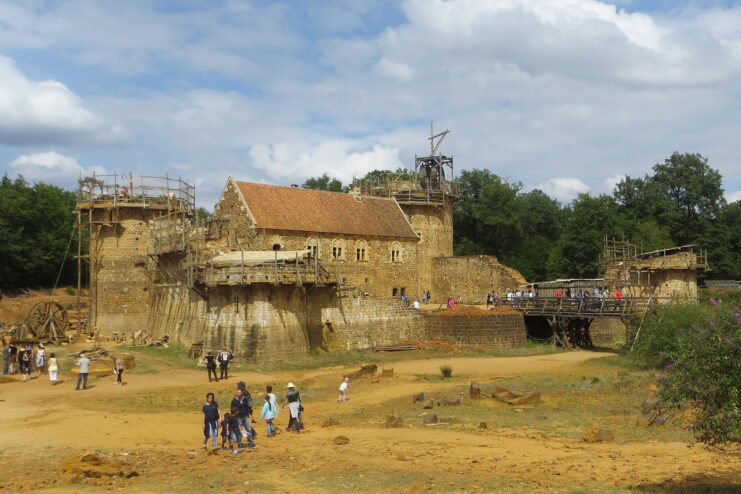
(280, 271)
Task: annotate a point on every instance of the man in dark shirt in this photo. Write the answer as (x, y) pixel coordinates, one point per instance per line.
(242, 403)
(293, 400)
(211, 366)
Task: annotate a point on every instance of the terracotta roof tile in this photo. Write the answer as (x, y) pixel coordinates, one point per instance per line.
(286, 208)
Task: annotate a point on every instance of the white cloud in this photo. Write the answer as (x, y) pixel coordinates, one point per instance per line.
(47, 112)
(52, 167)
(563, 189)
(612, 181)
(339, 158)
(734, 196)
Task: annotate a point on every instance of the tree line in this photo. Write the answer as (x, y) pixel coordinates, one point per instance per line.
(680, 202)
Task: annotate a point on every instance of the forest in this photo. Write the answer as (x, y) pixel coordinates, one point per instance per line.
(680, 202)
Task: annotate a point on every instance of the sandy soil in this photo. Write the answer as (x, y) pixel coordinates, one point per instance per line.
(141, 424)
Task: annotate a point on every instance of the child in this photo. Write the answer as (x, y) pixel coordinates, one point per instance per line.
(234, 431)
(225, 430)
(269, 411)
(343, 390)
(273, 399)
(53, 369)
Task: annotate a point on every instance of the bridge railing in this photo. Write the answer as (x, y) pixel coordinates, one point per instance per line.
(591, 307)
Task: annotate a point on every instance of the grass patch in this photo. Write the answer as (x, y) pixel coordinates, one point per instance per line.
(151, 358)
(349, 358)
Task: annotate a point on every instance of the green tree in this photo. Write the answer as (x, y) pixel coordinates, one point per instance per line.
(202, 216)
(36, 224)
(588, 220)
(325, 182)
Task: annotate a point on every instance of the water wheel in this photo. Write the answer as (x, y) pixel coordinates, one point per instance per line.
(47, 321)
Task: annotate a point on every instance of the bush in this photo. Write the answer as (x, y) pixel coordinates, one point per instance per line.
(446, 370)
(702, 371)
(659, 334)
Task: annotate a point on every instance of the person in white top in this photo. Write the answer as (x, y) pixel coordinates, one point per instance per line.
(415, 304)
(84, 365)
(40, 359)
(343, 390)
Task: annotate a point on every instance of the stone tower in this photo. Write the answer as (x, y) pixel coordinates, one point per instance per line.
(115, 215)
(427, 197)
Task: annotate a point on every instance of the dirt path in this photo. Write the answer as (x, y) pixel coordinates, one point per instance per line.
(411, 459)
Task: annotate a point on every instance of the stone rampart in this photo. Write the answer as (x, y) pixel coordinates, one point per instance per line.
(478, 332)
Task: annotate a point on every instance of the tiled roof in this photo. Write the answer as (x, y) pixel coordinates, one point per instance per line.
(286, 208)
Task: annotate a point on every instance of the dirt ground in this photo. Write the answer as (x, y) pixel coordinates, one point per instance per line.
(152, 425)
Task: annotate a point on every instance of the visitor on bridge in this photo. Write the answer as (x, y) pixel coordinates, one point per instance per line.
(451, 303)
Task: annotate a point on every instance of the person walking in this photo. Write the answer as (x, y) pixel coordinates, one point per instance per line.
(119, 370)
(343, 390)
(53, 369)
(224, 357)
(26, 356)
(242, 404)
(211, 366)
(210, 421)
(40, 359)
(6, 356)
(84, 365)
(268, 413)
(293, 400)
(13, 353)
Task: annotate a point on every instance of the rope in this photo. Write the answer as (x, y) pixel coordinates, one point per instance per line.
(61, 268)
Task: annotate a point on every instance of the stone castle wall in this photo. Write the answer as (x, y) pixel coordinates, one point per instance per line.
(267, 323)
(119, 280)
(478, 332)
(472, 277)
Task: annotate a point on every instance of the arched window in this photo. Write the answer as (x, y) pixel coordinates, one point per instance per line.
(276, 243)
(338, 249)
(396, 252)
(361, 251)
(312, 245)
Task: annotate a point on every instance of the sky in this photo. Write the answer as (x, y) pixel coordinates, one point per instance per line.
(567, 96)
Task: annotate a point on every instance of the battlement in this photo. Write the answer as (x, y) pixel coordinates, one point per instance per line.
(106, 191)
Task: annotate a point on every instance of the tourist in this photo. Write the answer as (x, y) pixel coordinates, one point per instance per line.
(242, 408)
(489, 299)
(451, 303)
(224, 357)
(415, 304)
(343, 390)
(293, 400)
(210, 421)
(234, 432)
(429, 297)
(211, 366)
(6, 356)
(40, 359)
(273, 398)
(84, 365)
(225, 432)
(25, 361)
(268, 413)
(53, 369)
(13, 353)
(119, 370)
(559, 294)
(496, 298)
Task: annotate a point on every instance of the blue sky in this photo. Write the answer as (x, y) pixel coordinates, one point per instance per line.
(563, 95)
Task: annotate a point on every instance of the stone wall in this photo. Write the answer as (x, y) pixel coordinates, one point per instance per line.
(267, 323)
(607, 331)
(119, 270)
(434, 225)
(472, 277)
(478, 332)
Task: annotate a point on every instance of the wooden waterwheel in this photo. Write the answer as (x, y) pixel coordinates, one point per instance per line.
(47, 321)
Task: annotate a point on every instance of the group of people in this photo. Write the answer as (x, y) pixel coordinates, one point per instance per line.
(235, 427)
(586, 293)
(223, 358)
(22, 358)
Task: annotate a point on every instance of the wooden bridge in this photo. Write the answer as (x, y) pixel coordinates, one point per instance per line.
(579, 307)
(570, 318)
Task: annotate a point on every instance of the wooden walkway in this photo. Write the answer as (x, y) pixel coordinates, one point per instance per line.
(580, 308)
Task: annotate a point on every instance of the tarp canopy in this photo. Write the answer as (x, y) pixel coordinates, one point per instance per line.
(257, 257)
